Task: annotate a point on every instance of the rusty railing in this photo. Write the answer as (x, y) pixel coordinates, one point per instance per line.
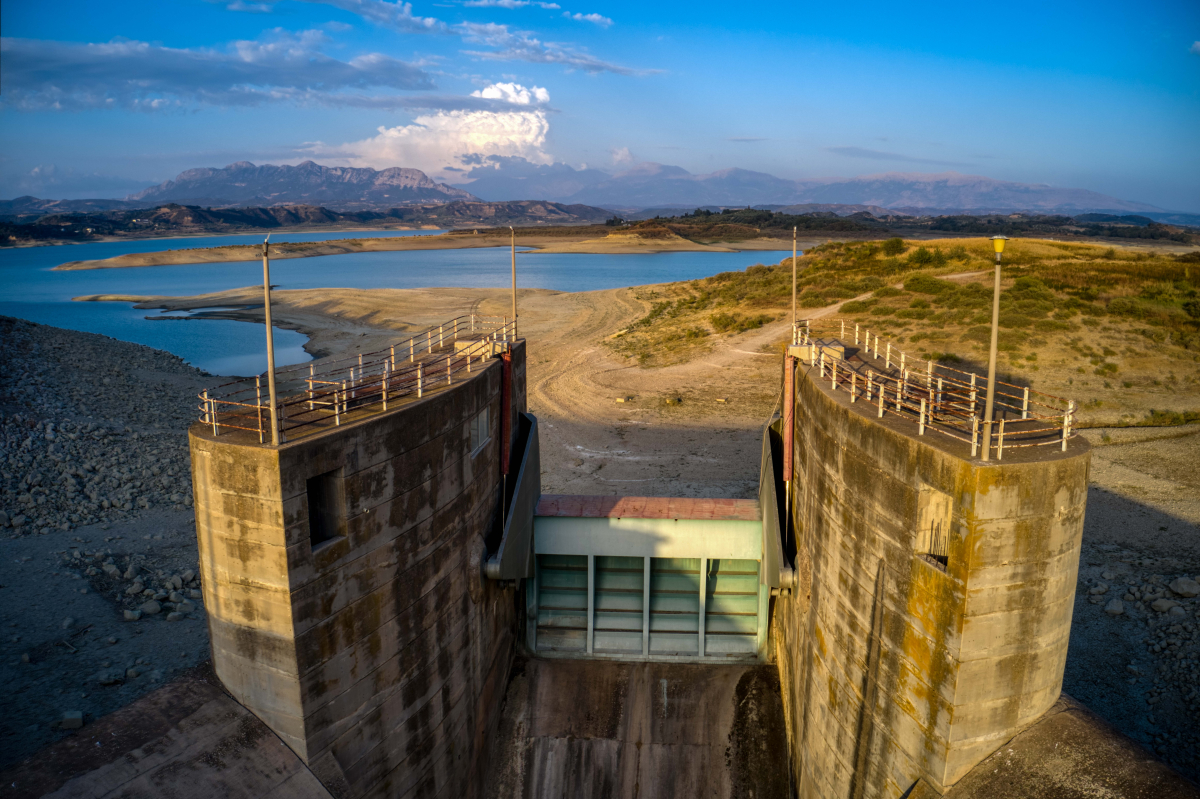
(325, 393)
(939, 398)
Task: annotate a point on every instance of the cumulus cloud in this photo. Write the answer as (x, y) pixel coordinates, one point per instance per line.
(443, 142)
(510, 4)
(621, 155)
(514, 93)
(142, 76)
(522, 46)
(595, 19)
(1195, 48)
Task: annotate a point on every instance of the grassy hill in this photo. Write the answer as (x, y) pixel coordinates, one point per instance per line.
(1116, 329)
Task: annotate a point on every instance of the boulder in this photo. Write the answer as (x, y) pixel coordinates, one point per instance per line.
(1163, 605)
(1185, 587)
(1114, 608)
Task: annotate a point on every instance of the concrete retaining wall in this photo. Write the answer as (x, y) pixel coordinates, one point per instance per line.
(380, 656)
(891, 668)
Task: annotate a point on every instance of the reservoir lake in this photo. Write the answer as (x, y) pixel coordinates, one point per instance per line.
(30, 289)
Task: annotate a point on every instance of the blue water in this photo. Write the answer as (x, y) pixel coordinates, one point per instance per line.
(29, 289)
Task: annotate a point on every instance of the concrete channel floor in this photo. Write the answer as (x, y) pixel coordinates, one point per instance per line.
(591, 728)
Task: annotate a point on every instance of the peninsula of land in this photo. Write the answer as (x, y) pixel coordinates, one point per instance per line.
(596, 240)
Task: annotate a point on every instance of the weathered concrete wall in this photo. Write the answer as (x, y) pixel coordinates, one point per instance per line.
(892, 669)
(379, 656)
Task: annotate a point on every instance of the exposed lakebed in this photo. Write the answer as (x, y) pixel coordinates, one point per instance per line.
(33, 291)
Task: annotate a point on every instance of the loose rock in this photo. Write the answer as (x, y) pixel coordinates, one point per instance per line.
(1114, 608)
(151, 607)
(1163, 605)
(1185, 587)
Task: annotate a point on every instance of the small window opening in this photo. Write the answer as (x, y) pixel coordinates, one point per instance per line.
(936, 549)
(326, 507)
(935, 513)
(480, 432)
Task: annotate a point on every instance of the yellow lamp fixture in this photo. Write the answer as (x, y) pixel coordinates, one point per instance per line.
(998, 243)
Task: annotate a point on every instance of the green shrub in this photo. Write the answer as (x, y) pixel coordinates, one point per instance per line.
(887, 291)
(920, 257)
(924, 284)
(893, 246)
(858, 306)
(1163, 418)
(736, 323)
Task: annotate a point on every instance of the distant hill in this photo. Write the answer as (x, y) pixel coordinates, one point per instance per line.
(651, 185)
(340, 188)
(175, 219)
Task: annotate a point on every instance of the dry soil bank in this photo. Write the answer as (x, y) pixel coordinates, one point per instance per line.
(609, 427)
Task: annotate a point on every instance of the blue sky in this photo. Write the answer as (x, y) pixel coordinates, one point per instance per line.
(99, 99)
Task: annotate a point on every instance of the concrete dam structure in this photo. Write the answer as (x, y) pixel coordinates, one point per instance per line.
(390, 592)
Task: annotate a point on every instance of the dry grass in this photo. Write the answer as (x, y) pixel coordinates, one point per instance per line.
(1116, 329)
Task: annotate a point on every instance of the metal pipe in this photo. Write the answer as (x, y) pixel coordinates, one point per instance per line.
(991, 386)
(258, 405)
(275, 432)
(514, 278)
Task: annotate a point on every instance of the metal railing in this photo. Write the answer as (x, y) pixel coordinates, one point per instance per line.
(937, 397)
(325, 393)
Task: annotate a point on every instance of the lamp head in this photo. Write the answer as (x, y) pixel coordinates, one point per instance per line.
(998, 243)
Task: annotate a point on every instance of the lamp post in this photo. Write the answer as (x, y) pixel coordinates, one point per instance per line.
(998, 245)
(794, 285)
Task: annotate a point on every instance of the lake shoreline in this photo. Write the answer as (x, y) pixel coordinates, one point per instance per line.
(201, 234)
(613, 244)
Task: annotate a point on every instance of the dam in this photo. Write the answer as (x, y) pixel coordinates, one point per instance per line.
(393, 596)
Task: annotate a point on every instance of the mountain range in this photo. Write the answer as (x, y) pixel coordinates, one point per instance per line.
(344, 188)
(651, 185)
(644, 189)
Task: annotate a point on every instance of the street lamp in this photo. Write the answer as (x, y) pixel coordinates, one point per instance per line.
(998, 245)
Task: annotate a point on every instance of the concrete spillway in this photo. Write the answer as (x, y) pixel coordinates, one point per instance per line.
(580, 728)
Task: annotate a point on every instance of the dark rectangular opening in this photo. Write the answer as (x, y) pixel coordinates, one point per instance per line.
(326, 507)
(936, 549)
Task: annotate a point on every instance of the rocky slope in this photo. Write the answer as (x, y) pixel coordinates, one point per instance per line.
(342, 188)
(99, 595)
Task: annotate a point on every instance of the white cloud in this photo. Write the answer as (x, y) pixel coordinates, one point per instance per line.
(1195, 48)
(514, 93)
(509, 45)
(621, 155)
(510, 4)
(397, 15)
(446, 140)
(142, 76)
(596, 19)
(252, 8)
(522, 46)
